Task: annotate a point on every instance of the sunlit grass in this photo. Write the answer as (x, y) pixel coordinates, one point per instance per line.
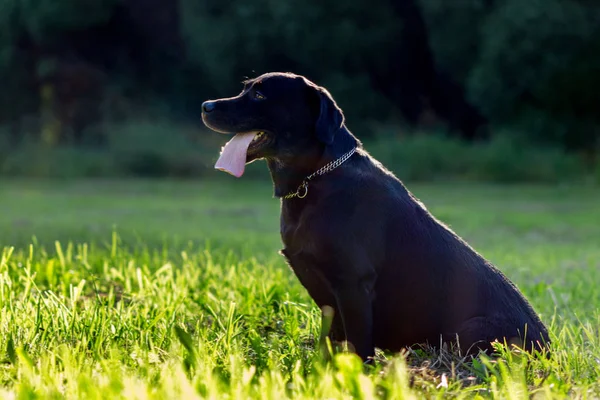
(190, 299)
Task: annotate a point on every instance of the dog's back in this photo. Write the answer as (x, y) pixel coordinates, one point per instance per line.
(431, 284)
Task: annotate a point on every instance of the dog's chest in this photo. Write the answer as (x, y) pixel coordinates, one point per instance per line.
(291, 236)
(296, 229)
(289, 223)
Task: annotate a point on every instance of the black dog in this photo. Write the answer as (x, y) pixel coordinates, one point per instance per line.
(356, 238)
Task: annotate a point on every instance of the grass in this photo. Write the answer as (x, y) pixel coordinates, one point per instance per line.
(142, 289)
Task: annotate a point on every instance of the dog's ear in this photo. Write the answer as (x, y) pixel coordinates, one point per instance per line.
(330, 118)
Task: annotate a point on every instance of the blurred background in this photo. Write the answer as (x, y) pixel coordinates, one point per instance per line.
(492, 90)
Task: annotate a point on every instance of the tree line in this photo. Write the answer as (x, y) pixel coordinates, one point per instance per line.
(467, 67)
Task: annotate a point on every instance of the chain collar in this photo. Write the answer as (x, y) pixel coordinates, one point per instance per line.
(302, 190)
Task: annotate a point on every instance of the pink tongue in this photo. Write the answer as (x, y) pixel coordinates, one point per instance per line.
(233, 155)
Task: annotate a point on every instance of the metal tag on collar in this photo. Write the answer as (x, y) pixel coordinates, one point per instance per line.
(302, 190)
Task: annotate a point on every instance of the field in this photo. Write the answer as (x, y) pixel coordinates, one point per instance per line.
(165, 289)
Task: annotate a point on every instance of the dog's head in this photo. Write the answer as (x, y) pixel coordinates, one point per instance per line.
(276, 116)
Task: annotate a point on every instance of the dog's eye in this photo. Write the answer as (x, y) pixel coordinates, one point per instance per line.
(258, 95)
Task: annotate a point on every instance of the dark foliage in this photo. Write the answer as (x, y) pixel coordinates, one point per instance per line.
(70, 69)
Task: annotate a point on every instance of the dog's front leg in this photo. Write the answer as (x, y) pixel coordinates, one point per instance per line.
(354, 307)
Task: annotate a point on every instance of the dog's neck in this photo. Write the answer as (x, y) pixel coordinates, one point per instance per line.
(288, 174)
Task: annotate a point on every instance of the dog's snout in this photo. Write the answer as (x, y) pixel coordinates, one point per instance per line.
(208, 106)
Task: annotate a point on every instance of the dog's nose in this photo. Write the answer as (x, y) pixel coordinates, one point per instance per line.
(208, 106)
